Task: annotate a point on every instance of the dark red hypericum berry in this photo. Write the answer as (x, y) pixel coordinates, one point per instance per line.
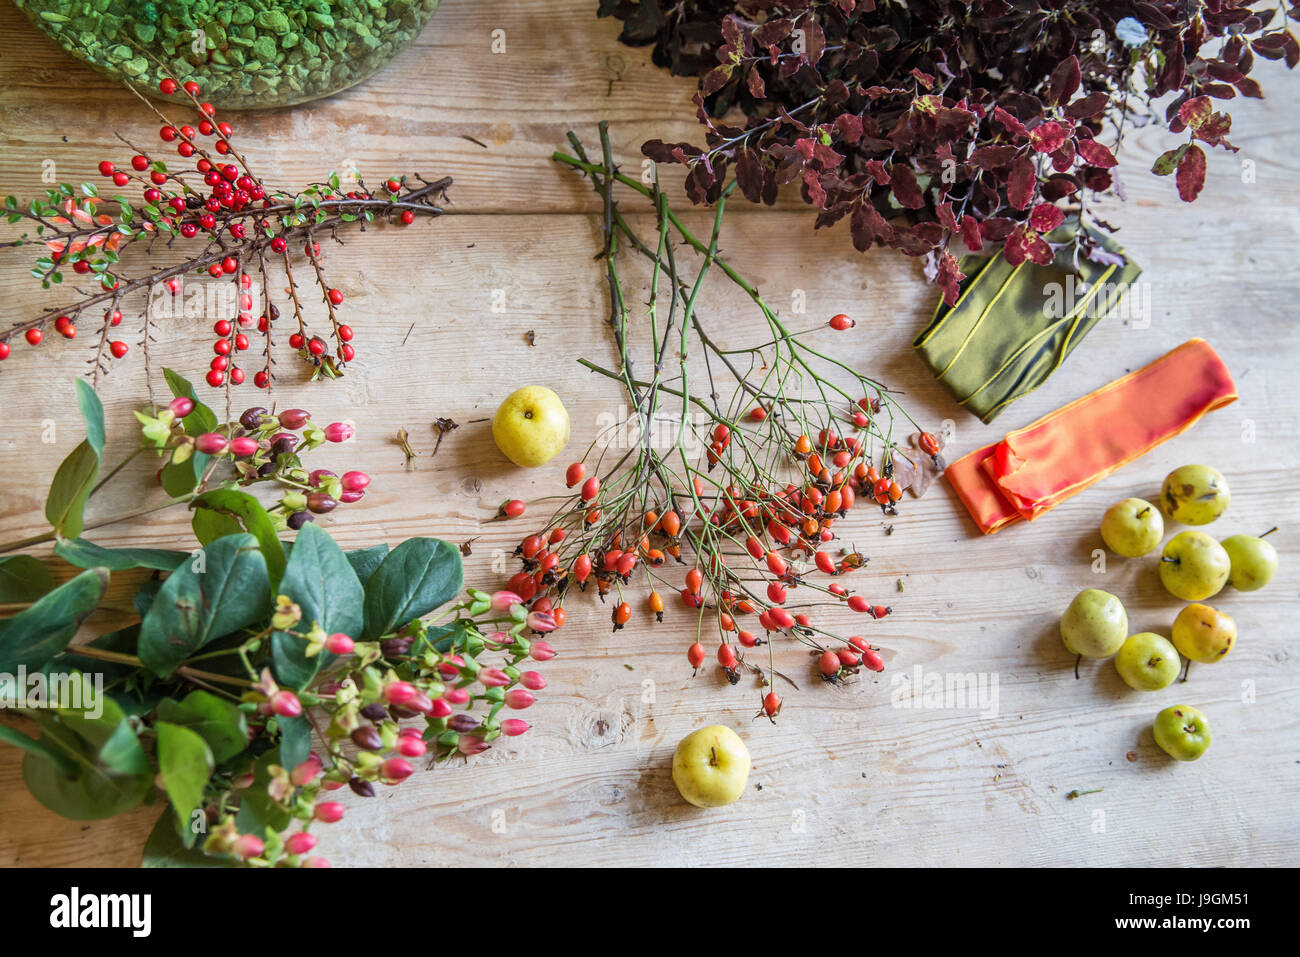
(118, 348)
(167, 87)
(181, 406)
(252, 418)
(336, 297)
(105, 168)
(367, 738)
(294, 419)
(298, 519)
(211, 443)
(321, 502)
(286, 704)
(278, 244)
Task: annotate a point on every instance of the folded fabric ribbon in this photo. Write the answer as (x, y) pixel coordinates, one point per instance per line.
(1013, 326)
(1036, 468)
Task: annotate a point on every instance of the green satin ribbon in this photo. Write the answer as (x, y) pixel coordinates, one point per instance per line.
(1013, 326)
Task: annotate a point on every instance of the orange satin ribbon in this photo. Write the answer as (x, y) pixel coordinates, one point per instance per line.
(1036, 468)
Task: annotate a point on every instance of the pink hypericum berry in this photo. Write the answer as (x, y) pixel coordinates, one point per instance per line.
(457, 695)
(542, 621)
(286, 704)
(441, 708)
(503, 600)
(246, 846)
(210, 443)
(181, 406)
(518, 699)
(411, 747)
(328, 812)
(421, 703)
(493, 678)
(395, 770)
(470, 745)
(532, 681)
(513, 727)
(315, 862)
(242, 446)
(305, 772)
(330, 784)
(339, 432)
(450, 666)
(243, 781)
(399, 692)
(541, 651)
(339, 644)
(347, 498)
(355, 481)
(300, 843)
(501, 638)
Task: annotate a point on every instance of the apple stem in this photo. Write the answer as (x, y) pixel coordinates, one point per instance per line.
(1144, 511)
(713, 756)
(1077, 659)
(1186, 669)
(1269, 532)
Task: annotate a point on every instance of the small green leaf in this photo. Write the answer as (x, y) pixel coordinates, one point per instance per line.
(185, 763)
(320, 580)
(38, 746)
(217, 721)
(416, 577)
(247, 510)
(295, 740)
(23, 579)
(66, 504)
(223, 589)
(364, 561)
(86, 554)
(38, 633)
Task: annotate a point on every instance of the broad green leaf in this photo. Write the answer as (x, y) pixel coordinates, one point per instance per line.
(23, 579)
(111, 773)
(209, 525)
(295, 740)
(84, 554)
(221, 590)
(38, 633)
(320, 580)
(364, 561)
(109, 734)
(216, 720)
(248, 511)
(65, 506)
(185, 763)
(38, 746)
(165, 848)
(92, 411)
(418, 576)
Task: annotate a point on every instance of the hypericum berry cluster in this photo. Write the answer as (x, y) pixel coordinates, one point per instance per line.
(460, 685)
(263, 446)
(239, 223)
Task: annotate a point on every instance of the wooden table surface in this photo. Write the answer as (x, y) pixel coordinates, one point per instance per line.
(845, 776)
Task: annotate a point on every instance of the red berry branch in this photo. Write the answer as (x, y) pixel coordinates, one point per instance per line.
(231, 219)
(761, 465)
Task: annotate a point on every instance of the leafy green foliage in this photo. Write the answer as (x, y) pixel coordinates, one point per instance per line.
(36, 634)
(223, 589)
(235, 511)
(185, 763)
(320, 580)
(22, 579)
(84, 554)
(416, 577)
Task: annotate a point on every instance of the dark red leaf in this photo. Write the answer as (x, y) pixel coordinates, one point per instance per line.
(1196, 111)
(1088, 106)
(1021, 182)
(1065, 80)
(1191, 174)
(970, 233)
(1008, 122)
(993, 157)
(1095, 154)
(867, 226)
(905, 188)
(848, 126)
(1046, 217)
(1048, 137)
(949, 278)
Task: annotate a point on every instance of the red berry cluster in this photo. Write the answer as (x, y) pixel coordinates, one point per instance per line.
(238, 221)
